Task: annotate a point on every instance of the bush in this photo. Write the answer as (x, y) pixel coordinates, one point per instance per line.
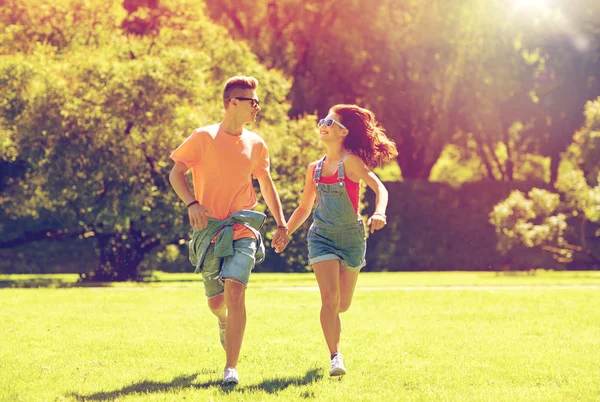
(436, 227)
(566, 221)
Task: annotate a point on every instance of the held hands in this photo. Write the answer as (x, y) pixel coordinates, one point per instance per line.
(377, 221)
(280, 239)
(198, 215)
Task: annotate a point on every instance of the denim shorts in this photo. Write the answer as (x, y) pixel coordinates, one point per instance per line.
(237, 267)
(345, 243)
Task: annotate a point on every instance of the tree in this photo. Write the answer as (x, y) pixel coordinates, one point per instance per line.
(385, 55)
(471, 74)
(60, 25)
(566, 41)
(566, 222)
(495, 108)
(521, 101)
(94, 126)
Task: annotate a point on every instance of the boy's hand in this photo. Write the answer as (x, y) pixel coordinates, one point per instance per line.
(198, 215)
(279, 247)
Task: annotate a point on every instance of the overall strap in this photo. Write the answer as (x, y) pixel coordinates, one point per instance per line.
(318, 169)
(341, 168)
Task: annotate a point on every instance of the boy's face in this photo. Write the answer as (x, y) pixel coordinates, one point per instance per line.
(246, 105)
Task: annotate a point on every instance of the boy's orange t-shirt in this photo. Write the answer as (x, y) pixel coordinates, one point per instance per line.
(222, 168)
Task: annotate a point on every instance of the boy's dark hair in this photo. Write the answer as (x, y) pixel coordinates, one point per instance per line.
(238, 83)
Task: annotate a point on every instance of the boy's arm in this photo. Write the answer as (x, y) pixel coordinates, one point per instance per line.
(197, 213)
(179, 183)
(269, 193)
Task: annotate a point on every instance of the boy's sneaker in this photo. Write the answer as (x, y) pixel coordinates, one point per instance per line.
(230, 376)
(222, 333)
(337, 366)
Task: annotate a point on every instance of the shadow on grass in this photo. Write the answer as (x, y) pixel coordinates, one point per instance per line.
(270, 386)
(48, 283)
(60, 283)
(162, 280)
(275, 385)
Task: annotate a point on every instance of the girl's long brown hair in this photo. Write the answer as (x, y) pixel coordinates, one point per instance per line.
(366, 137)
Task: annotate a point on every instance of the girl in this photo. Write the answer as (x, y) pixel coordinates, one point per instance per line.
(355, 144)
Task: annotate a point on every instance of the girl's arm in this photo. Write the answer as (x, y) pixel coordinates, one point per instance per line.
(357, 170)
(304, 208)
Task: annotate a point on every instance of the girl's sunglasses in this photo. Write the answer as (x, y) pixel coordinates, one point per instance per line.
(329, 123)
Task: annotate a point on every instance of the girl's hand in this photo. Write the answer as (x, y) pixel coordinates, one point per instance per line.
(377, 221)
(280, 239)
(279, 247)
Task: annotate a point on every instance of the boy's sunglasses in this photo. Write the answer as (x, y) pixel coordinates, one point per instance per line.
(253, 102)
(329, 123)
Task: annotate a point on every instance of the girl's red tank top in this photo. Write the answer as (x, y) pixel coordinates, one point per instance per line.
(352, 187)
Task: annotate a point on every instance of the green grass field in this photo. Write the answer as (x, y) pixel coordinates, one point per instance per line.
(408, 336)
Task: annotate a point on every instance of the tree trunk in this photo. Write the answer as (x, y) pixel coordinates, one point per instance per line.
(509, 156)
(554, 164)
(414, 160)
(120, 257)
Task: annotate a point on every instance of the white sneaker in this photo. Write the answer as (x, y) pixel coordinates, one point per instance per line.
(337, 366)
(230, 377)
(222, 333)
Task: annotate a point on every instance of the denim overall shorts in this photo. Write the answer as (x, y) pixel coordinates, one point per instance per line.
(337, 233)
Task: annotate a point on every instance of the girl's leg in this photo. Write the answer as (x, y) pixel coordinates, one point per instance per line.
(328, 278)
(348, 281)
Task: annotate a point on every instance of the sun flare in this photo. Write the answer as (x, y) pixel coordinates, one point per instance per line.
(530, 3)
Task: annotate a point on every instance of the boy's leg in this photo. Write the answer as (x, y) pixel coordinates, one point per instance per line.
(213, 287)
(217, 307)
(235, 301)
(235, 272)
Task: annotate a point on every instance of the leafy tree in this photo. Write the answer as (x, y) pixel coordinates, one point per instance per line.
(565, 222)
(472, 74)
(494, 105)
(383, 55)
(59, 25)
(94, 124)
(567, 40)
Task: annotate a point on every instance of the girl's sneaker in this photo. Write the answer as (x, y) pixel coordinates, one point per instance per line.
(337, 366)
(230, 376)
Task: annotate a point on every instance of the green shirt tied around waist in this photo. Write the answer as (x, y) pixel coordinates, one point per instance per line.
(201, 239)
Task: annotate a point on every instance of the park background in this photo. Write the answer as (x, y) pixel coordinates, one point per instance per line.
(495, 109)
(494, 106)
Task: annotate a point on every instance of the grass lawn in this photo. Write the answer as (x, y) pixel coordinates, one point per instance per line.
(408, 336)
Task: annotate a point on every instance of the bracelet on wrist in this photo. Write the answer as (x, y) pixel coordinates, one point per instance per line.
(192, 203)
(380, 214)
(282, 227)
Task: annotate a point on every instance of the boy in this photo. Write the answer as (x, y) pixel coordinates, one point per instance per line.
(226, 242)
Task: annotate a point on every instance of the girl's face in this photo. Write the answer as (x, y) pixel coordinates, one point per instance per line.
(331, 129)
